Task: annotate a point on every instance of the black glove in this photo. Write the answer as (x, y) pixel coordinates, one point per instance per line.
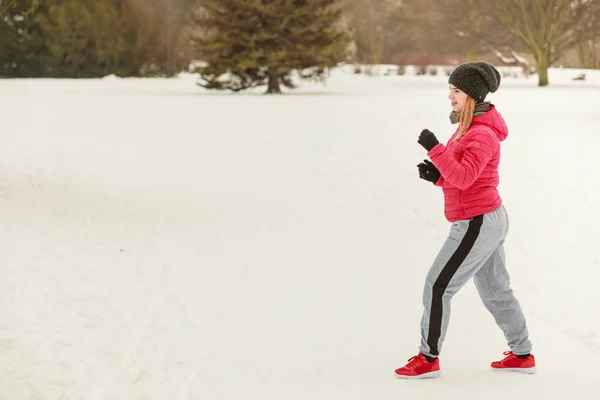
(428, 171)
(427, 139)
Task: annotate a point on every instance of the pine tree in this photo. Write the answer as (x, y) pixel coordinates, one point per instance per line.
(250, 43)
(85, 37)
(22, 41)
(6, 5)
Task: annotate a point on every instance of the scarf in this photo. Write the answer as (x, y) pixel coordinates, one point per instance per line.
(480, 107)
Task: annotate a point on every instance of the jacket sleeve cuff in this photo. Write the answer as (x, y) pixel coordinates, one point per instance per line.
(437, 149)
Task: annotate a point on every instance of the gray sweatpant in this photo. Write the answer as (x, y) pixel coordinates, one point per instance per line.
(474, 249)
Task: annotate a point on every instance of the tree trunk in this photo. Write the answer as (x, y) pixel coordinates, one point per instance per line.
(587, 54)
(542, 68)
(470, 54)
(273, 83)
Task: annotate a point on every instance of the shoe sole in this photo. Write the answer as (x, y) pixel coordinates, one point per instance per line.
(428, 375)
(531, 370)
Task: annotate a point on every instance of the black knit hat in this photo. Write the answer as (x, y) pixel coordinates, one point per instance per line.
(476, 79)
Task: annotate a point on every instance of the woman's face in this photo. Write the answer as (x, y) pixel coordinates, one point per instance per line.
(458, 98)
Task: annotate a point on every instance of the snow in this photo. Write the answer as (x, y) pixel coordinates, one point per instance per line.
(162, 242)
(505, 59)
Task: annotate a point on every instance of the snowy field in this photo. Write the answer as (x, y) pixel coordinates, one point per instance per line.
(161, 242)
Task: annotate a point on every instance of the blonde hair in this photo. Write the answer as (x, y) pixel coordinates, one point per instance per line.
(466, 117)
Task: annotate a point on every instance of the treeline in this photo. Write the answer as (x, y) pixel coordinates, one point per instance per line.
(90, 38)
(425, 32)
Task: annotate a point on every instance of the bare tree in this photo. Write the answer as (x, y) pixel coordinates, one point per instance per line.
(460, 26)
(381, 29)
(411, 33)
(589, 54)
(365, 23)
(549, 28)
(469, 27)
(545, 28)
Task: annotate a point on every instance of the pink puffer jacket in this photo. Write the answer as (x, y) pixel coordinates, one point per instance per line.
(469, 167)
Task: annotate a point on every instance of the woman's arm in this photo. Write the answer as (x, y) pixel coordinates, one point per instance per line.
(480, 145)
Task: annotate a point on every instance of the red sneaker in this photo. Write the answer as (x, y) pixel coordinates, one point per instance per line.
(419, 368)
(515, 364)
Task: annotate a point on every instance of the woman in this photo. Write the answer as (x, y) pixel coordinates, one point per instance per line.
(467, 171)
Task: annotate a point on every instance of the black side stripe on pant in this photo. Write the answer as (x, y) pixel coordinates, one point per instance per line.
(441, 283)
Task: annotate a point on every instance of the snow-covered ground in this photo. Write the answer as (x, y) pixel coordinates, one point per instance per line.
(161, 242)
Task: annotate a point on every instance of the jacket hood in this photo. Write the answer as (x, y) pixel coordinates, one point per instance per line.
(494, 120)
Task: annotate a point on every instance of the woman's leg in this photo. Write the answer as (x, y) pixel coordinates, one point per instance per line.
(493, 284)
(469, 245)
